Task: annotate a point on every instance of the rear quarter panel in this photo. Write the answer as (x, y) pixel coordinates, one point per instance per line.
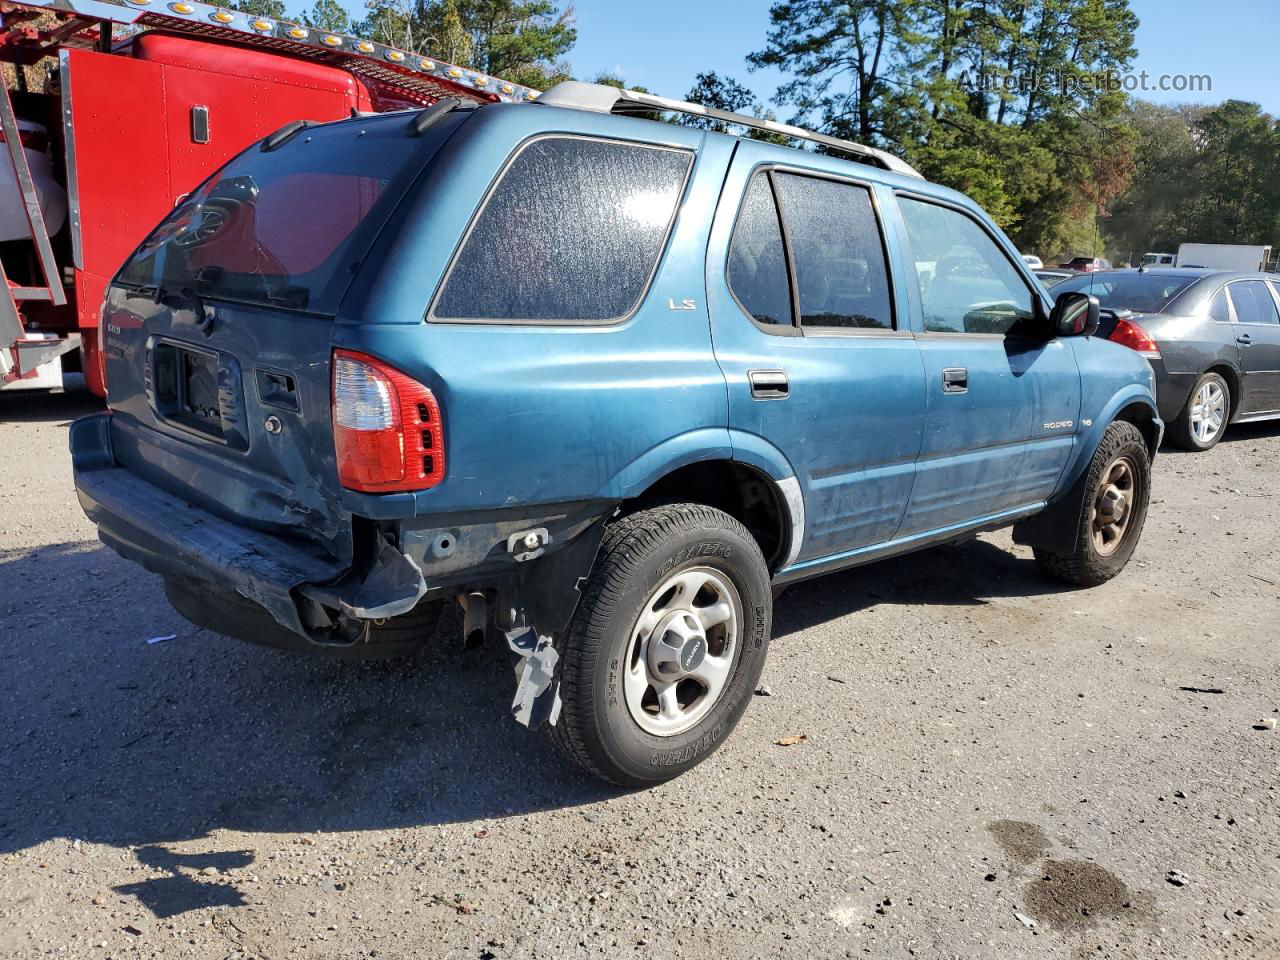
(544, 413)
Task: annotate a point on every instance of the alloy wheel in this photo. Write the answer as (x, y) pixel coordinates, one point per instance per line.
(1208, 411)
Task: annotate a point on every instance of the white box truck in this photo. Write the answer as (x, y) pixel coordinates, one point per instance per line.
(1224, 256)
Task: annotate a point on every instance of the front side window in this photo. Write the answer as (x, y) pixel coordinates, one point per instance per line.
(1253, 302)
(839, 256)
(757, 262)
(967, 284)
(572, 232)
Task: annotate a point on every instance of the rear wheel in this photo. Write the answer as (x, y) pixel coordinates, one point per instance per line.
(666, 647)
(1117, 490)
(1202, 421)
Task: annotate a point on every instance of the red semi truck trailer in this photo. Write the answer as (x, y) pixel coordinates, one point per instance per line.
(133, 104)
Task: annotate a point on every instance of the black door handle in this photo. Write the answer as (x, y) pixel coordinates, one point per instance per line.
(769, 384)
(1245, 339)
(955, 380)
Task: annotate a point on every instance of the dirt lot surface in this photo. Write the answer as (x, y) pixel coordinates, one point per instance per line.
(994, 767)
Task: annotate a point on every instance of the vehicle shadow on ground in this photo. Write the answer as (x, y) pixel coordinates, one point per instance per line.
(109, 739)
(46, 406)
(1251, 432)
(967, 574)
(1236, 433)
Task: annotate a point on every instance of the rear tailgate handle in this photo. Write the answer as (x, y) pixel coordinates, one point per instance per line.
(955, 380)
(277, 388)
(769, 384)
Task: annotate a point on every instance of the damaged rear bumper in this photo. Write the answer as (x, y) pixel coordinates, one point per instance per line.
(179, 540)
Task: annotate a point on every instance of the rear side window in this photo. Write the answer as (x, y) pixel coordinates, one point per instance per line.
(1218, 307)
(1253, 302)
(839, 257)
(757, 262)
(571, 232)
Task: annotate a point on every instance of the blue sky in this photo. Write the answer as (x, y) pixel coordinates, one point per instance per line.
(663, 44)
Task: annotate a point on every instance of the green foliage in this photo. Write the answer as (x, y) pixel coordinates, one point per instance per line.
(1203, 175)
(275, 9)
(1007, 100)
(726, 93)
(524, 42)
(843, 59)
(328, 15)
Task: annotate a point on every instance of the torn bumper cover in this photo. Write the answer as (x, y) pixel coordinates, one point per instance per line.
(175, 538)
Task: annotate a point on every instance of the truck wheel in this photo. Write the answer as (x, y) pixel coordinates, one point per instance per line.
(1202, 421)
(1117, 489)
(666, 646)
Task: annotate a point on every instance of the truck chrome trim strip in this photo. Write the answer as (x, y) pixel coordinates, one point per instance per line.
(73, 182)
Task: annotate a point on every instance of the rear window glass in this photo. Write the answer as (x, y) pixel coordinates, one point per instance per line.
(1143, 293)
(285, 227)
(572, 232)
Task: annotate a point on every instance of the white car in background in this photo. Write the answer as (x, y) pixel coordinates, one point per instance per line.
(1032, 261)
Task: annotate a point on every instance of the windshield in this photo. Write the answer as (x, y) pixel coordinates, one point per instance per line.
(1142, 293)
(284, 227)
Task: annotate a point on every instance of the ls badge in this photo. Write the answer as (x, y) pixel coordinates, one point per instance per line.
(682, 305)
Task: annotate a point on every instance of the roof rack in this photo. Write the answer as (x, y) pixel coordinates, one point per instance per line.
(600, 98)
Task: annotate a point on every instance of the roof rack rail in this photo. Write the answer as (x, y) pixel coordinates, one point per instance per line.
(600, 98)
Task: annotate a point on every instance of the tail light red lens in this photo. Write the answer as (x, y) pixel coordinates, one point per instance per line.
(1133, 336)
(387, 432)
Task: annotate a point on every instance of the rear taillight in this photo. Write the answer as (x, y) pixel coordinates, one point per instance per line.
(1134, 337)
(386, 427)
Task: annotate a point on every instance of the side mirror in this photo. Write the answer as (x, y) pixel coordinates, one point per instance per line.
(1075, 314)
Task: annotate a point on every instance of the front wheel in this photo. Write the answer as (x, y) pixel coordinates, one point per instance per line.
(665, 649)
(1117, 491)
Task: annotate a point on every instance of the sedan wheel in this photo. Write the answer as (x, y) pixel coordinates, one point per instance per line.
(1208, 411)
(1204, 418)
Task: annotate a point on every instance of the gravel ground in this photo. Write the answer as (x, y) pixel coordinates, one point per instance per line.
(993, 766)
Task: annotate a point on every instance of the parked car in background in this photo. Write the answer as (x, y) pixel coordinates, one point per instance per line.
(1158, 260)
(1032, 261)
(1224, 256)
(1086, 264)
(495, 377)
(1051, 277)
(1212, 337)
